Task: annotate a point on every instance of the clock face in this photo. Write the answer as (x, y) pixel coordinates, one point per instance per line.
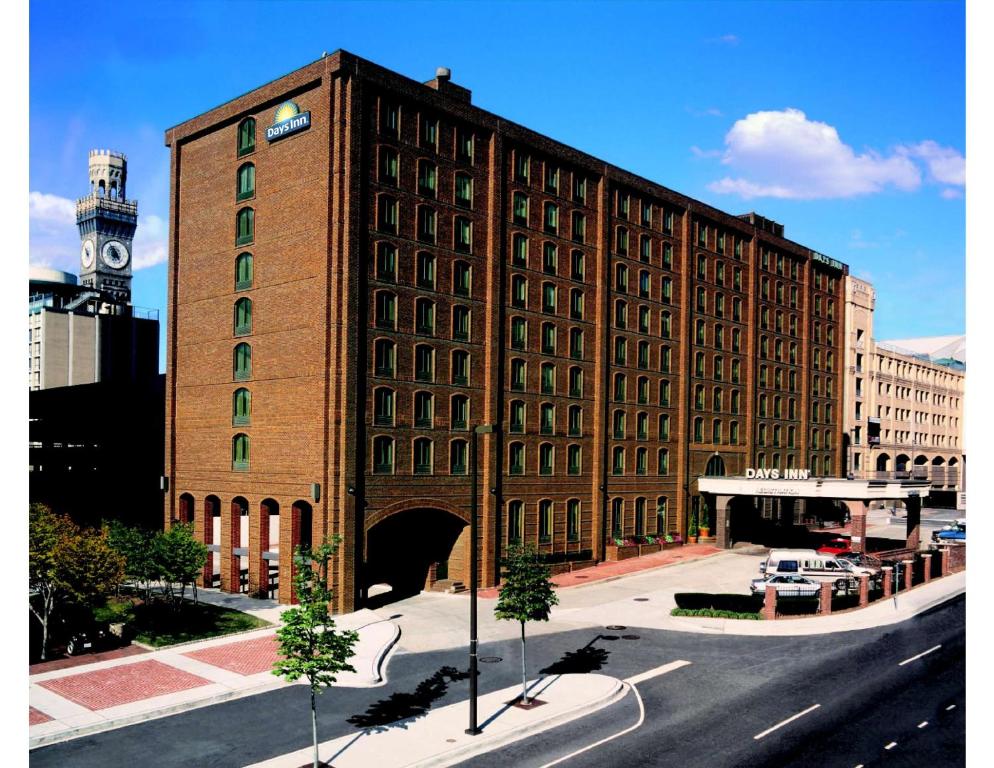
(86, 254)
(115, 254)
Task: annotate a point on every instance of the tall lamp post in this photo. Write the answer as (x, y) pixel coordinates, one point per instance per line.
(482, 429)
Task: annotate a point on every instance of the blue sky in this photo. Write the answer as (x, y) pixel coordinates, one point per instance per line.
(843, 121)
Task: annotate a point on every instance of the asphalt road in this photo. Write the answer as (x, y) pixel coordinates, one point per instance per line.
(704, 714)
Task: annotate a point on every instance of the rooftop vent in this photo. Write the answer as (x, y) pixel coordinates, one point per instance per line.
(443, 84)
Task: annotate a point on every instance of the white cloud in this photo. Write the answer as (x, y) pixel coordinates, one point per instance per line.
(703, 153)
(784, 154)
(709, 112)
(54, 239)
(945, 164)
(951, 194)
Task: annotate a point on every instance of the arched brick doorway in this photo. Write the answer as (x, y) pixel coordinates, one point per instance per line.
(413, 547)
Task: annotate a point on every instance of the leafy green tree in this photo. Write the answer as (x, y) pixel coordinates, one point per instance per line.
(45, 530)
(136, 545)
(179, 558)
(310, 645)
(526, 595)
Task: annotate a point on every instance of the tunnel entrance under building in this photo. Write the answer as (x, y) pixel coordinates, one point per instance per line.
(781, 522)
(413, 550)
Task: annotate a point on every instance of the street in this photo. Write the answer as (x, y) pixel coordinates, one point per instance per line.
(707, 713)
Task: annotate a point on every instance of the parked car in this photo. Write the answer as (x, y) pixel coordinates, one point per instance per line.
(836, 546)
(786, 585)
(811, 565)
(860, 563)
(951, 534)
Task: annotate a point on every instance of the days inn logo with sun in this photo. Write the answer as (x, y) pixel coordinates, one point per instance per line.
(289, 119)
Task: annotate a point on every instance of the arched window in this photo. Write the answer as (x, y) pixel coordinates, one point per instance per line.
(460, 367)
(618, 460)
(641, 461)
(573, 520)
(575, 382)
(241, 407)
(573, 459)
(425, 271)
(515, 522)
(384, 356)
(427, 178)
(423, 456)
(424, 409)
(462, 276)
(245, 187)
(424, 363)
(664, 426)
(460, 323)
(519, 291)
(244, 226)
(243, 271)
(665, 325)
(459, 413)
(386, 214)
(640, 517)
(620, 314)
(621, 278)
(620, 387)
(464, 190)
(386, 310)
(547, 419)
(617, 518)
(698, 430)
(576, 343)
(243, 316)
(240, 453)
(544, 521)
(663, 461)
(424, 316)
(246, 136)
(664, 393)
(618, 422)
(546, 457)
(576, 265)
(383, 455)
(457, 457)
(516, 459)
(242, 361)
(547, 379)
(383, 407)
(550, 258)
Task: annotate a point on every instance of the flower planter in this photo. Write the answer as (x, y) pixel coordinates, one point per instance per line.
(691, 539)
(557, 568)
(672, 544)
(579, 565)
(705, 533)
(648, 549)
(614, 553)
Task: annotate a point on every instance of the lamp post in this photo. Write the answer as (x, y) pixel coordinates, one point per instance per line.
(482, 429)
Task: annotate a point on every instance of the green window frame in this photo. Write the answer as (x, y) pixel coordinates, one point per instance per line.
(521, 208)
(548, 379)
(241, 407)
(546, 459)
(246, 136)
(383, 407)
(551, 178)
(465, 142)
(519, 333)
(382, 455)
(576, 304)
(573, 520)
(549, 298)
(640, 517)
(424, 410)
(460, 367)
(424, 316)
(425, 274)
(243, 271)
(550, 258)
(544, 521)
(423, 458)
(617, 518)
(573, 459)
(386, 262)
(664, 393)
(460, 323)
(245, 184)
(579, 227)
(663, 461)
(463, 234)
(514, 521)
(429, 133)
(516, 459)
(518, 375)
(459, 412)
(547, 419)
(240, 448)
(645, 248)
(427, 178)
(384, 353)
(522, 166)
(664, 426)
(576, 265)
(579, 189)
(424, 363)
(575, 382)
(388, 166)
(462, 279)
(548, 339)
(244, 226)
(618, 461)
(386, 309)
(575, 421)
(667, 290)
(243, 316)
(517, 417)
(519, 251)
(427, 224)
(576, 343)
(242, 361)
(551, 218)
(464, 190)
(386, 219)
(457, 457)
(519, 291)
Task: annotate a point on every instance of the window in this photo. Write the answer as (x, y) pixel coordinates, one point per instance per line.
(426, 224)
(617, 517)
(520, 209)
(547, 380)
(519, 292)
(699, 397)
(382, 455)
(698, 429)
(518, 372)
(576, 304)
(519, 252)
(719, 305)
(464, 190)
(386, 262)
(667, 290)
(644, 284)
(576, 265)
(667, 255)
(547, 419)
(579, 189)
(702, 235)
(643, 319)
(460, 323)
(514, 521)
(464, 146)
(573, 460)
(736, 308)
(546, 456)
(621, 242)
(522, 166)
(716, 431)
(643, 354)
(425, 276)
(424, 410)
(733, 433)
(702, 266)
(699, 364)
(551, 178)
(424, 316)
(621, 278)
(242, 362)
(457, 457)
(240, 453)
(618, 422)
(246, 182)
(459, 417)
(544, 521)
(641, 460)
(645, 248)
(243, 316)
(620, 350)
(663, 461)
(386, 309)
(243, 271)
(575, 382)
(388, 166)
(245, 226)
(575, 421)
(699, 330)
(462, 276)
(734, 407)
(386, 214)
(548, 339)
(246, 136)
(241, 407)
(573, 520)
(549, 298)
(463, 234)
(736, 371)
(664, 393)
(642, 426)
(702, 300)
(429, 132)
(620, 314)
(576, 343)
(383, 411)
(579, 227)
(423, 459)
(642, 388)
(551, 218)
(640, 517)
(389, 119)
(618, 461)
(664, 426)
(424, 363)
(623, 202)
(460, 367)
(517, 419)
(620, 386)
(384, 354)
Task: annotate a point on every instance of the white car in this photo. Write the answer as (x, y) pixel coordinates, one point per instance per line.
(786, 585)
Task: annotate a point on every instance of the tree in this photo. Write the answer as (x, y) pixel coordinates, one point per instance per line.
(45, 530)
(526, 595)
(310, 645)
(178, 559)
(136, 545)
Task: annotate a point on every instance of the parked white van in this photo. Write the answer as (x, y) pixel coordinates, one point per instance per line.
(812, 565)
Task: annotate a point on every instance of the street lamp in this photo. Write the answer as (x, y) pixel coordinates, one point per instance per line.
(482, 429)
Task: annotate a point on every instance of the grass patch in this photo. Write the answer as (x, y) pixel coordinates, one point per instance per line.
(714, 613)
(159, 624)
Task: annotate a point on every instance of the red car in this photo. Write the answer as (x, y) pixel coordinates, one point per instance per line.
(835, 547)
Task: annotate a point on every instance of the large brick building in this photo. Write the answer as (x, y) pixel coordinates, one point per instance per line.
(353, 291)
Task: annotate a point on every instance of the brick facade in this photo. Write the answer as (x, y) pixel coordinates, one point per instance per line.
(421, 266)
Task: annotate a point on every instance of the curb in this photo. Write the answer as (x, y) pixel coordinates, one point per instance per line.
(618, 691)
(607, 579)
(373, 680)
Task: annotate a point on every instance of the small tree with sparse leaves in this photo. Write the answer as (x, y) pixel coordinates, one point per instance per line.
(526, 595)
(310, 645)
(179, 558)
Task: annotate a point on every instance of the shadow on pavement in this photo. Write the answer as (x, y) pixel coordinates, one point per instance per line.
(580, 661)
(401, 706)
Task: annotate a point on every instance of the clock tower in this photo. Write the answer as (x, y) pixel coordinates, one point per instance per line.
(107, 221)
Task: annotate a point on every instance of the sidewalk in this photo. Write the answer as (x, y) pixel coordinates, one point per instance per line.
(439, 739)
(99, 696)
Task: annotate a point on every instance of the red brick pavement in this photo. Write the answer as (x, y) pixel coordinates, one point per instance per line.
(247, 657)
(122, 685)
(36, 716)
(603, 571)
(86, 658)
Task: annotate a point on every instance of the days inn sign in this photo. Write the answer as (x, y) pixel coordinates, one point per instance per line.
(289, 119)
(776, 474)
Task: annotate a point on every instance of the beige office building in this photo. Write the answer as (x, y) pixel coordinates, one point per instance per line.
(912, 390)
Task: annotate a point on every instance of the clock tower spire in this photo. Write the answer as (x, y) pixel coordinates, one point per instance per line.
(107, 221)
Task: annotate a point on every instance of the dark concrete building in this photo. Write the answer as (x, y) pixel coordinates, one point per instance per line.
(364, 268)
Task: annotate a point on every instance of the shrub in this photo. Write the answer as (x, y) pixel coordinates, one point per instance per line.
(712, 613)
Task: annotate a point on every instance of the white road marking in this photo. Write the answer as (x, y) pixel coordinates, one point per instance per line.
(649, 674)
(632, 682)
(951, 706)
(782, 723)
(891, 745)
(923, 723)
(923, 653)
(859, 766)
